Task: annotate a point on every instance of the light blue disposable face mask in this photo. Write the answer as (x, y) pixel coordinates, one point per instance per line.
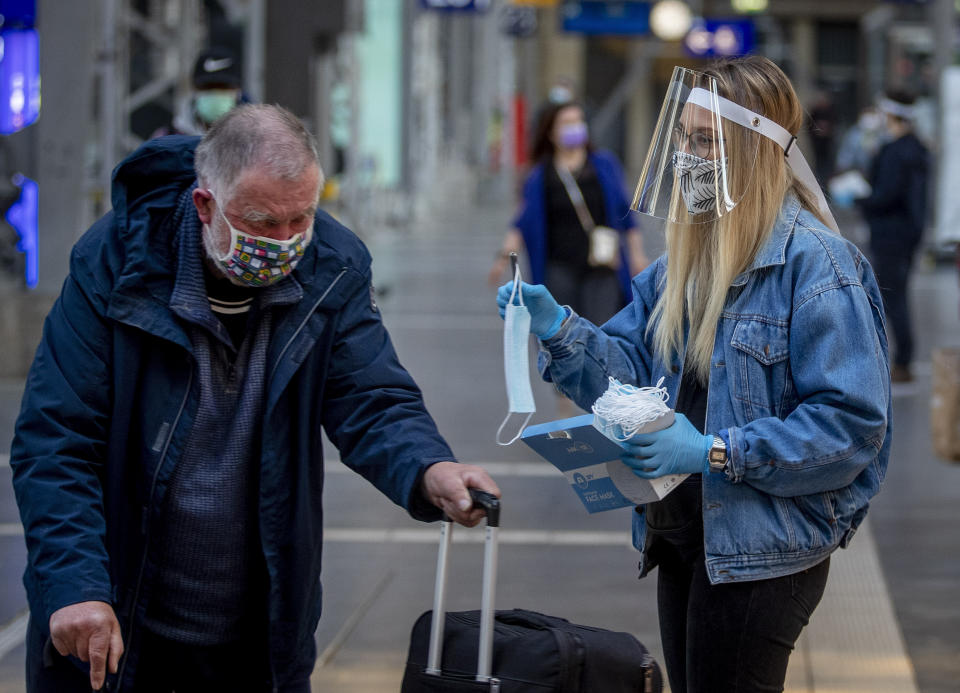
(516, 363)
(211, 104)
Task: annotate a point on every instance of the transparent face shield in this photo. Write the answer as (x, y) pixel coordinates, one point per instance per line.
(703, 154)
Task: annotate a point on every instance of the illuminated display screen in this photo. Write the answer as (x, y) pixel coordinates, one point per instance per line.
(19, 79)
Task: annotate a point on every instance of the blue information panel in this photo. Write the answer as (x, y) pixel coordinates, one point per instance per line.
(457, 5)
(720, 37)
(19, 79)
(606, 18)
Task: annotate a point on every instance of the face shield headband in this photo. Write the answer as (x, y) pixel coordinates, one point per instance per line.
(771, 130)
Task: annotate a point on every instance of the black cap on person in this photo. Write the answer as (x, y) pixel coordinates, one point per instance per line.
(217, 67)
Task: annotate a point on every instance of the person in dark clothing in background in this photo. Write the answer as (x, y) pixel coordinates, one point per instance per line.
(549, 226)
(823, 125)
(217, 87)
(896, 212)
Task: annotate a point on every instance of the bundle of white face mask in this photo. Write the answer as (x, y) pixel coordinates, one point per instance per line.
(625, 410)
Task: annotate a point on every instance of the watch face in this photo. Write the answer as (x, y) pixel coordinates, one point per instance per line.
(718, 454)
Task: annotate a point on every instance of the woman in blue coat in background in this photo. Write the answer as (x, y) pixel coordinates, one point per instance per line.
(549, 227)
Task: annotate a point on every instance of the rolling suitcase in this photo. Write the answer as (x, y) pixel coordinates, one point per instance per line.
(517, 651)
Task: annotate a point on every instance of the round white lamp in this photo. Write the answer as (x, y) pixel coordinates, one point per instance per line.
(670, 20)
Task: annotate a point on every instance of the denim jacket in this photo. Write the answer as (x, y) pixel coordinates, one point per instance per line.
(799, 391)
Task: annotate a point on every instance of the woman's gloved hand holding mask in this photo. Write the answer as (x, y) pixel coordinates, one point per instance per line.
(546, 315)
(678, 449)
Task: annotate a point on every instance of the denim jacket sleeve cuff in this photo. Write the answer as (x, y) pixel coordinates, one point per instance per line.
(556, 346)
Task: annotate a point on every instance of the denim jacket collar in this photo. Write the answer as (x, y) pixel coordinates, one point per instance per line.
(773, 252)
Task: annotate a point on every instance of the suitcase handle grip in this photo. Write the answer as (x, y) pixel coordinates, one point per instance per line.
(488, 502)
(482, 499)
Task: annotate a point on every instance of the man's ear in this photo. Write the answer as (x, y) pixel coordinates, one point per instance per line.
(203, 201)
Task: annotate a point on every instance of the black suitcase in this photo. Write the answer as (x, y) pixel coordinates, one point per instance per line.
(517, 651)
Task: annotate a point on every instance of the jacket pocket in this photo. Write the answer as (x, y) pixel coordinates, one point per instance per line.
(760, 378)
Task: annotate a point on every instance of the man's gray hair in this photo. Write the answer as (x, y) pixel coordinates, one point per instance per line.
(253, 135)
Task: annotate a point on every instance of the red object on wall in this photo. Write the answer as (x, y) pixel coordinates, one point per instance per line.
(519, 129)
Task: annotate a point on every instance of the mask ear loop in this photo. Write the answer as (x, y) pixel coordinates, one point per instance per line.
(518, 292)
(517, 286)
(234, 233)
(513, 440)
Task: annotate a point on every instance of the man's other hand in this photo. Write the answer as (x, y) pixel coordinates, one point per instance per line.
(445, 485)
(90, 632)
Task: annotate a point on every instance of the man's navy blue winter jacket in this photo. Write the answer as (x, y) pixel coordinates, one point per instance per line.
(112, 394)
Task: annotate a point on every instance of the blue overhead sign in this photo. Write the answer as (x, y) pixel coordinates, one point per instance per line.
(606, 18)
(457, 5)
(720, 37)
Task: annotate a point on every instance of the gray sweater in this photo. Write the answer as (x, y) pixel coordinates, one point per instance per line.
(210, 583)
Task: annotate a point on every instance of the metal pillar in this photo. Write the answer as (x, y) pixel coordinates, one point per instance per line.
(174, 31)
(424, 103)
(62, 132)
(943, 16)
(252, 14)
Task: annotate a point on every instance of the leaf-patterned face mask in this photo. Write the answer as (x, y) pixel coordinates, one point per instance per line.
(697, 178)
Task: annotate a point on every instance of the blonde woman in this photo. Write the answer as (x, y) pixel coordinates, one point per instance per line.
(767, 328)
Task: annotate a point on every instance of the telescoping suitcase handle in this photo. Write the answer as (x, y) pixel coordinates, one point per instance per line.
(491, 504)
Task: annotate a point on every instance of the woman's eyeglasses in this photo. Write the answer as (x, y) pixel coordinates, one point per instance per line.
(698, 142)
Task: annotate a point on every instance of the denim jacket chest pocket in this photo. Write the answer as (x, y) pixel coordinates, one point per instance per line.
(758, 362)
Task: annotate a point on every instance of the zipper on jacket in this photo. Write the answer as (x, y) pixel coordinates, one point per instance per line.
(145, 527)
(300, 327)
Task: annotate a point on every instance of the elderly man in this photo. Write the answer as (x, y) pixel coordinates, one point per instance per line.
(167, 460)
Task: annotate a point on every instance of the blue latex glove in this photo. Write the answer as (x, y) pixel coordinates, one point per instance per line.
(546, 315)
(678, 449)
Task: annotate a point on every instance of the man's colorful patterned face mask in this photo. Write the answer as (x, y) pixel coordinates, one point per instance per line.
(259, 261)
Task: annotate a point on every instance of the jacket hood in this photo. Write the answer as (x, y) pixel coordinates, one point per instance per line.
(146, 186)
(160, 169)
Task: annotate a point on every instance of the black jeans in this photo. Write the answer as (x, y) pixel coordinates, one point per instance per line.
(893, 271)
(731, 637)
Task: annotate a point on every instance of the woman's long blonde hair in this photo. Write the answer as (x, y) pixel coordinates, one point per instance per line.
(704, 259)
